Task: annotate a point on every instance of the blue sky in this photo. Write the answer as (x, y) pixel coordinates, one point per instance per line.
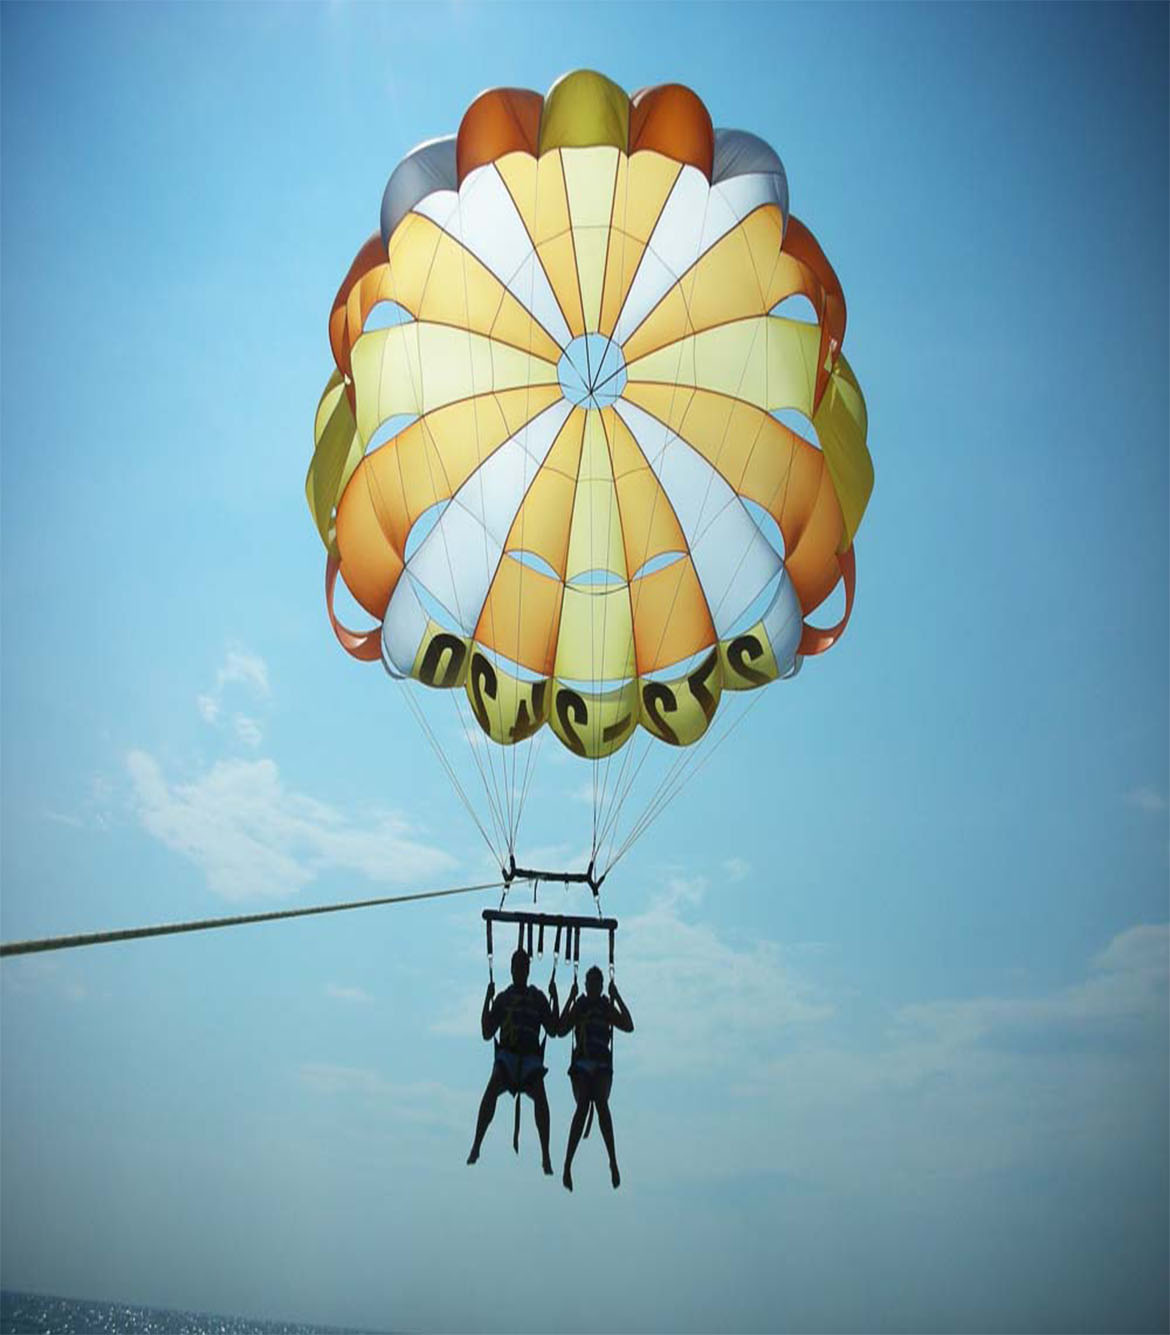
(898, 956)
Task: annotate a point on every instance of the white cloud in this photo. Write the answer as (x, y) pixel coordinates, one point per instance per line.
(701, 1000)
(242, 668)
(737, 869)
(962, 1089)
(63, 818)
(95, 810)
(427, 1103)
(253, 837)
(43, 975)
(1147, 799)
(339, 993)
(248, 730)
(1125, 981)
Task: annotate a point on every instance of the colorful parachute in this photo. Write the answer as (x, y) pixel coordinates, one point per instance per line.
(550, 461)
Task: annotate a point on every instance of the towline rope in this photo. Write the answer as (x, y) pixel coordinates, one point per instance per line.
(205, 924)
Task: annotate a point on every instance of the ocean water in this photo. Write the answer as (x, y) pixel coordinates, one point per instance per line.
(38, 1314)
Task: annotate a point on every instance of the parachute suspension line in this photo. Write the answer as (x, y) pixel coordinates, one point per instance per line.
(471, 740)
(620, 793)
(598, 840)
(514, 816)
(600, 802)
(418, 385)
(502, 802)
(649, 819)
(593, 677)
(622, 230)
(668, 788)
(682, 759)
(677, 776)
(609, 823)
(428, 733)
(534, 745)
(533, 742)
(207, 924)
(613, 796)
(608, 795)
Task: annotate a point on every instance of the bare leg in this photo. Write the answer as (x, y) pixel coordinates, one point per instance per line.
(575, 1130)
(540, 1106)
(605, 1122)
(487, 1110)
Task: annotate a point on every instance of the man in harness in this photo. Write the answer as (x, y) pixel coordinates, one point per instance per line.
(592, 1020)
(518, 1014)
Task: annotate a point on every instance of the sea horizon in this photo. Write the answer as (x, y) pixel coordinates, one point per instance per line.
(25, 1312)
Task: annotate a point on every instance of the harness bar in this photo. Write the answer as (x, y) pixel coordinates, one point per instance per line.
(588, 877)
(542, 920)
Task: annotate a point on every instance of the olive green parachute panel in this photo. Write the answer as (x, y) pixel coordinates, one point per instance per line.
(748, 660)
(594, 722)
(337, 452)
(583, 109)
(507, 707)
(841, 425)
(678, 709)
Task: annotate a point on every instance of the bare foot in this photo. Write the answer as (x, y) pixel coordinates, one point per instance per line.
(614, 1176)
(473, 1157)
(548, 1168)
(567, 1179)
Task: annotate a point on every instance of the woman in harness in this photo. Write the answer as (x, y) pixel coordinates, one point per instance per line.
(592, 1020)
(518, 1014)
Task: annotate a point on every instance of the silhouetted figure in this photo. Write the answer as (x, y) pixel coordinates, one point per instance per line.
(518, 1014)
(592, 1019)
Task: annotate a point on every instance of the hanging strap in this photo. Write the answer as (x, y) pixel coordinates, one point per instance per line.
(491, 977)
(556, 954)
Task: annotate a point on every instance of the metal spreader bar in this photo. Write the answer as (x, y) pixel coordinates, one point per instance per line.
(543, 920)
(588, 877)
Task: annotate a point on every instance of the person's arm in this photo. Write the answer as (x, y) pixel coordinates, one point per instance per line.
(552, 1016)
(622, 1019)
(567, 1015)
(489, 1021)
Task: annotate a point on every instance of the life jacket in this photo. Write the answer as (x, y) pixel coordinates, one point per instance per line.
(520, 1019)
(592, 1030)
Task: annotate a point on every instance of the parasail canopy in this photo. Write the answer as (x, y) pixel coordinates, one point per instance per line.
(557, 460)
